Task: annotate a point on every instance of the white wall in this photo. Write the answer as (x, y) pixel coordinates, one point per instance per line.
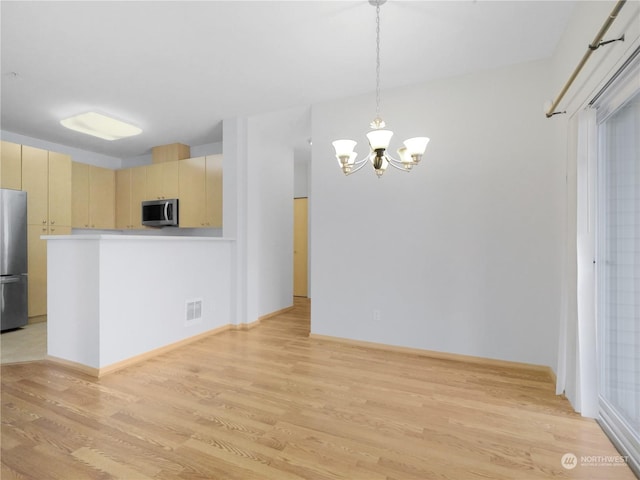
(271, 159)
(301, 171)
(461, 255)
(258, 208)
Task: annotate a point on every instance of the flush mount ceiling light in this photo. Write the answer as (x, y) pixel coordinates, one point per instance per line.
(101, 126)
(379, 138)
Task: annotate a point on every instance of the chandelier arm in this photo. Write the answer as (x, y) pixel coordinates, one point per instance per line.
(398, 167)
(390, 159)
(358, 165)
(397, 164)
(362, 161)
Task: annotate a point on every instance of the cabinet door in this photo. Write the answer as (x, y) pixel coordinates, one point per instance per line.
(35, 181)
(102, 197)
(59, 230)
(37, 266)
(79, 195)
(138, 194)
(59, 189)
(123, 198)
(192, 194)
(214, 191)
(37, 270)
(11, 165)
(170, 182)
(154, 181)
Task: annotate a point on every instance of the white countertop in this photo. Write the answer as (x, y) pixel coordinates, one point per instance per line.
(151, 238)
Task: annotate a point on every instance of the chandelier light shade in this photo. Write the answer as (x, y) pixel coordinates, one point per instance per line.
(379, 138)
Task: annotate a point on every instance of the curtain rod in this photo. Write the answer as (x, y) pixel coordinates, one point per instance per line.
(597, 42)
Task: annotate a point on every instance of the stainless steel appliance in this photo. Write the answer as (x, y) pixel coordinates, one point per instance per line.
(160, 213)
(13, 258)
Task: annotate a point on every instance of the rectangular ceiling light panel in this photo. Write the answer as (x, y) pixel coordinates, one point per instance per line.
(101, 126)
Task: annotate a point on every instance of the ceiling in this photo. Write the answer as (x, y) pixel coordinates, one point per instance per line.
(176, 69)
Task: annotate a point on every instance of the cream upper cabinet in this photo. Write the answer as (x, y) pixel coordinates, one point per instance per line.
(123, 198)
(46, 177)
(79, 195)
(131, 186)
(35, 181)
(213, 190)
(192, 192)
(59, 189)
(138, 194)
(94, 196)
(10, 165)
(201, 192)
(162, 180)
(102, 197)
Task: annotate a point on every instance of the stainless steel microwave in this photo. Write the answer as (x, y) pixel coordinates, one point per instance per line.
(160, 213)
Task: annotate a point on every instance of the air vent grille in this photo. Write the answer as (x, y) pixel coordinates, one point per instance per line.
(194, 310)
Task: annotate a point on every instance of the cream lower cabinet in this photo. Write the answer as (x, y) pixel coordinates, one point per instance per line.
(131, 187)
(201, 192)
(37, 266)
(94, 197)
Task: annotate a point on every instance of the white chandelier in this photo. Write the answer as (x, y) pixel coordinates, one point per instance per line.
(379, 138)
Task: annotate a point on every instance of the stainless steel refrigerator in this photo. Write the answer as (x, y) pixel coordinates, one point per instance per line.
(13, 258)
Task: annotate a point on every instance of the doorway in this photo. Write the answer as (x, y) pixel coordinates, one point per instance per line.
(300, 247)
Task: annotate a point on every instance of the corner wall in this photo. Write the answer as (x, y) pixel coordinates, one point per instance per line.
(462, 255)
(258, 208)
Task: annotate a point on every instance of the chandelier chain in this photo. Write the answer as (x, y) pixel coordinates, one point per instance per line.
(379, 138)
(378, 59)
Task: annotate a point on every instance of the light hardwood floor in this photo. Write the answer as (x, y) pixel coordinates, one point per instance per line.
(271, 403)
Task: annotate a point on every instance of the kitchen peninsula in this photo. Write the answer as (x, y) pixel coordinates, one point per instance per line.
(117, 299)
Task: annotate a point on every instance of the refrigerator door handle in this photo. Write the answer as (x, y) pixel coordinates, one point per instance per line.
(13, 279)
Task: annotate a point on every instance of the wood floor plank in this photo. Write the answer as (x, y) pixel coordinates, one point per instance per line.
(272, 403)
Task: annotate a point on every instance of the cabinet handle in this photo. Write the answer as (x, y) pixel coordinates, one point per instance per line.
(44, 229)
(53, 222)
(53, 230)
(93, 226)
(44, 222)
(86, 226)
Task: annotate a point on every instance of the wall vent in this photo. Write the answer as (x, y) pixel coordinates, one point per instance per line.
(194, 311)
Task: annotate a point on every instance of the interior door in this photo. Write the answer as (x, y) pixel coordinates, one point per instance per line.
(300, 247)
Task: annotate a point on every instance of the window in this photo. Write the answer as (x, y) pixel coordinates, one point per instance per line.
(618, 264)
